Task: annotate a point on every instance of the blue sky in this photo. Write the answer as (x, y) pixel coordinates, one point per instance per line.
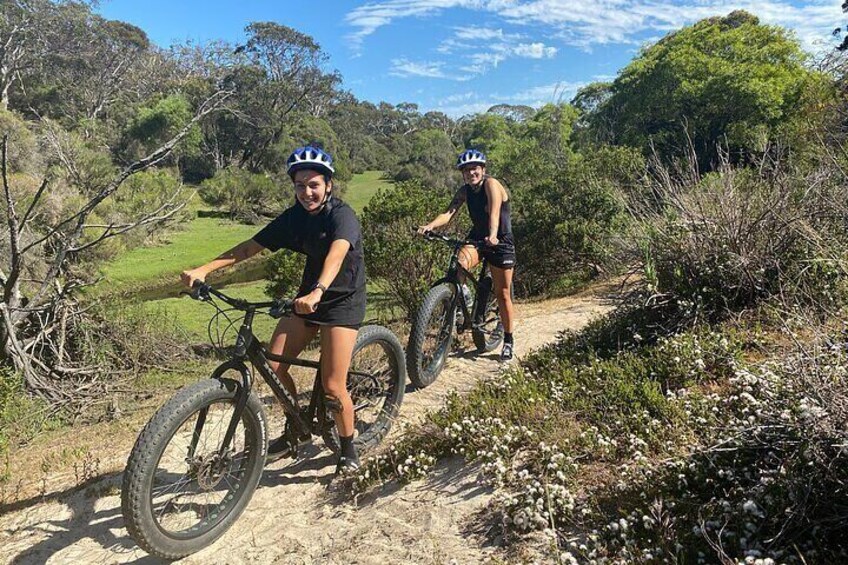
(463, 56)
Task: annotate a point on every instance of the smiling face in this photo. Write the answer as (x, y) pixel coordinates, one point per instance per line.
(473, 174)
(311, 188)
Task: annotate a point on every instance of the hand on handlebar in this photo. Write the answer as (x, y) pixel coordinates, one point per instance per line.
(307, 304)
(192, 276)
(425, 229)
(491, 241)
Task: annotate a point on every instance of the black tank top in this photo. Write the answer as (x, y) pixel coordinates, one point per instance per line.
(477, 202)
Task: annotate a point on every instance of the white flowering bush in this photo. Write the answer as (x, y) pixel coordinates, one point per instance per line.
(703, 447)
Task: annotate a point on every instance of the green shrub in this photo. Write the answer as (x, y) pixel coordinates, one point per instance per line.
(244, 195)
(393, 253)
(283, 271)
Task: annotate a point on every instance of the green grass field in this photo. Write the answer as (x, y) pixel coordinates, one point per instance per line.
(362, 187)
(203, 239)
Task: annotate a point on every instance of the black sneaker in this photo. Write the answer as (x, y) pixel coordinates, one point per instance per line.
(506, 353)
(279, 448)
(282, 446)
(347, 465)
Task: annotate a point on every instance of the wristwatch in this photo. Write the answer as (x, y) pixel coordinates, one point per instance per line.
(319, 285)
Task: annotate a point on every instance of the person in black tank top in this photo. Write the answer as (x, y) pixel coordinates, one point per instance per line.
(332, 290)
(490, 209)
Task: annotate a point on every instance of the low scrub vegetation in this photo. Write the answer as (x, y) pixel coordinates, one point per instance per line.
(716, 444)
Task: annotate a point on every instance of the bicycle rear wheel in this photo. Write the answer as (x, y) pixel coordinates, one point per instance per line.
(175, 501)
(376, 383)
(487, 329)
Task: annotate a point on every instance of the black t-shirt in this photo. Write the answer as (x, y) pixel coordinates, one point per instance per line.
(296, 229)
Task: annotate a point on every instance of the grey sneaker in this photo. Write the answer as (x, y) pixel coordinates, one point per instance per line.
(347, 465)
(506, 353)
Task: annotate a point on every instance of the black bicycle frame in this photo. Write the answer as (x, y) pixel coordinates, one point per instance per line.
(249, 348)
(453, 276)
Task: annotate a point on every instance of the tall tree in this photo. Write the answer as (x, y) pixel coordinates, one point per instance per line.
(723, 80)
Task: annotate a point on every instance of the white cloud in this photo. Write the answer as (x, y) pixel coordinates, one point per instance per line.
(483, 49)
(457, 105)
(369, 18)
(405, 68)
(534, 51)
(482, 34)
(585, 24)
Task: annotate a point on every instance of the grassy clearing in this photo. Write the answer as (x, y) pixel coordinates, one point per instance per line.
(205, 238)
(362, 187)
(202, 240)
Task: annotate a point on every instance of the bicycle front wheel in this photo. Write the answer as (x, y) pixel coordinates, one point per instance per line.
(376, 383)
(431, 335)
(179, 493)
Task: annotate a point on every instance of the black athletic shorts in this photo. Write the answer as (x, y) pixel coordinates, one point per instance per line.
(502, 255)
(337, 309)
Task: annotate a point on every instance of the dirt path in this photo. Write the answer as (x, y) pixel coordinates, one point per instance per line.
(289, 519)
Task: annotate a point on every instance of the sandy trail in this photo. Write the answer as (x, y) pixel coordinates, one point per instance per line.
(289, 519)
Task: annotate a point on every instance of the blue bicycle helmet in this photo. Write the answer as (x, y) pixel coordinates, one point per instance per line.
(310, 158)
(470, 157)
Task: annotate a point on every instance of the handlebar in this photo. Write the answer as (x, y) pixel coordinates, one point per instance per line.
(277, 308)
(433, 236)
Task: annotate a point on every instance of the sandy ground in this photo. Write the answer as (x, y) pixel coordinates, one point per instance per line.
(291, 519)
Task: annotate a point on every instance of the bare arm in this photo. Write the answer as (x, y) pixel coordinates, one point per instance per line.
(494, 193)
(332, 265)
(447, 215)
(242, 251)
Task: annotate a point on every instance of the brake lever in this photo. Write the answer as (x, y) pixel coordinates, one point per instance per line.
(200, 291)
(280, 309)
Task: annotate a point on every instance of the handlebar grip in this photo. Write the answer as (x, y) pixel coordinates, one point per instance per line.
(200, 290)
(281, 308)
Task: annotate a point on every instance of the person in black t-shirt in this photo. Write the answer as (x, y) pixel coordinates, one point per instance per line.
(489, 207)
(332, 289)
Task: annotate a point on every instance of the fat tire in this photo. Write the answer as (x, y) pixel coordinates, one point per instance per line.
(421, 376)
(486, 342)
(145, 455)
(369, 335)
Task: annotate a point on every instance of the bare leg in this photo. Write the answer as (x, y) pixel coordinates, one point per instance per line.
(503, 291)
(290, 337)
(336, 349)
(468, 258)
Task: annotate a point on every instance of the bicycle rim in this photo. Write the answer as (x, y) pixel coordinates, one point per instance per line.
(371, 379)
(190, 495)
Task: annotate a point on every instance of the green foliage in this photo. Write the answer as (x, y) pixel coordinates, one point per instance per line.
(727, 80)
(573, 216)
(735, 237)
(244, 195)
(155, 124)
(431, 160)
(283, 271)
(22, 151)
(21, 415)
(393, 253)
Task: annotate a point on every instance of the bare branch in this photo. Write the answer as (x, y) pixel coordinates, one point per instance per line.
(209, 105)
(10, 282)
(113, 230)
(32, 205)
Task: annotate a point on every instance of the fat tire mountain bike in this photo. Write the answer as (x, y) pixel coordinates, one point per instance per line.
(198, 461)
(432, 331)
